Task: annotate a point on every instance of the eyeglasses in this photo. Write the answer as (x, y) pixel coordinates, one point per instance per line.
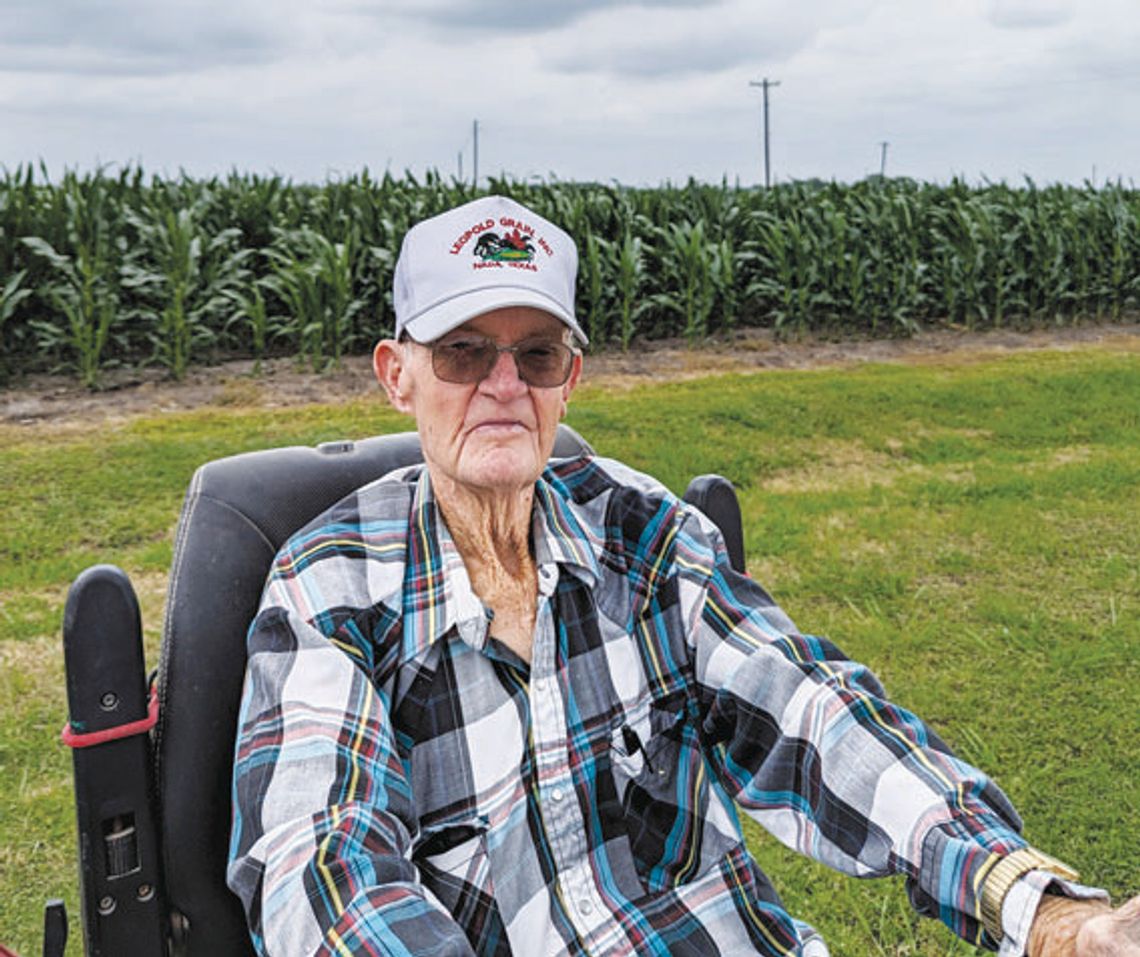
(463, 359)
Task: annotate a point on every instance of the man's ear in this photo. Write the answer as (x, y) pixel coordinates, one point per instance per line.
(390, 363)
(571, 383)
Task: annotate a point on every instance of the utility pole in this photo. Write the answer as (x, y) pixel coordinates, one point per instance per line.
(765, 83)
(475, 154)
(459, 163)
(883, 160)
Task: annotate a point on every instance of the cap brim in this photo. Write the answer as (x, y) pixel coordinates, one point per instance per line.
(441, 318)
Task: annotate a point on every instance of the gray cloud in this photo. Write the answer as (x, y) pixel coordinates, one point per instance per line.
(1028, 14)
(526, 18)
(674, 56)
(639, 42)
(126, 37)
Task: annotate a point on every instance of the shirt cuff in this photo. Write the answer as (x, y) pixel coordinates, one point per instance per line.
(1021, 903)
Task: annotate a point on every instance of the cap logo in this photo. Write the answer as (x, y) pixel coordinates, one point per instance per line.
(511, 247)
(516, 246)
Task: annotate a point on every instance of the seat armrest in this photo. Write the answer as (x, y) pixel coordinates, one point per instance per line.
(715, 496)
(108, 712)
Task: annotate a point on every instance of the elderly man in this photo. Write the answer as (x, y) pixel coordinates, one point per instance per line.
(497, 705)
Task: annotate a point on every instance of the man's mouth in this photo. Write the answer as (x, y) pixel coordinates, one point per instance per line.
(499, 425)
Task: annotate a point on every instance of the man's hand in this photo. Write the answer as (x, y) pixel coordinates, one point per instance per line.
(1079, 928)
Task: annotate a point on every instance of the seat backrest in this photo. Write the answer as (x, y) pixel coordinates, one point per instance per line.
(237, 513)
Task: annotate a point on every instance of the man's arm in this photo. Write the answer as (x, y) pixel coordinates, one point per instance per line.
(812, 749)
(323, 818)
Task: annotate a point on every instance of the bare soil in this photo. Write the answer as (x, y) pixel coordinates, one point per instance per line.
(50, 400)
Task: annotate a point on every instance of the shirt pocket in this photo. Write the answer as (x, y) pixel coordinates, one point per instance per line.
(662, 786)
(453, 862)
(640, 745)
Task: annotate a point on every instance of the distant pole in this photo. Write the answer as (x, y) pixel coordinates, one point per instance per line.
(475, 154)
(764, 84)
(883, 161)
(459, 162)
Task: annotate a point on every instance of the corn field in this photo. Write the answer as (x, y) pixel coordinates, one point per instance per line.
(101, 270)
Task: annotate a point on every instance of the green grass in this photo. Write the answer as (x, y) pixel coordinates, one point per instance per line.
(972, 532)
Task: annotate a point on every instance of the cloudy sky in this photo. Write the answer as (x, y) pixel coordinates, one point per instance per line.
(606, 90)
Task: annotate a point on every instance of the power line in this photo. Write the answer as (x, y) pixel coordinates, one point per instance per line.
(765, 83)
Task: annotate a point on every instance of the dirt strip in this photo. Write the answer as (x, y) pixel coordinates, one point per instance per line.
(50, 400)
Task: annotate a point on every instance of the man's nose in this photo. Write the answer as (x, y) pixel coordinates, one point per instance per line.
(503, 380)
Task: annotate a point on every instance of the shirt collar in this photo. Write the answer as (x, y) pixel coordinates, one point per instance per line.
(562, 536)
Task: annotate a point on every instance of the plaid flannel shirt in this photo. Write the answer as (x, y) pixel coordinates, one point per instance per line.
(405, 784)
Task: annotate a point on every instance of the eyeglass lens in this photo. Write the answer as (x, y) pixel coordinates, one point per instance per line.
(540, 362)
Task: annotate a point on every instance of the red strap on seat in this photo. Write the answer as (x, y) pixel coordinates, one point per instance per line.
(75, 739)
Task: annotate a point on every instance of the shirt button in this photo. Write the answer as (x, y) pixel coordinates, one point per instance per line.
(585, 908)
(557, 794)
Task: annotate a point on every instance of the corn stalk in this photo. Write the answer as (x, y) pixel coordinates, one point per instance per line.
(183, 279)
(312, 278)
(86, 287)
(688, 269)
(10, 298)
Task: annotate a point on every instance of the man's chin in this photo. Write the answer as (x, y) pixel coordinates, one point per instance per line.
(503, 466)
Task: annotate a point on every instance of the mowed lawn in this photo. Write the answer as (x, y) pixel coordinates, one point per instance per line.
(968, 529)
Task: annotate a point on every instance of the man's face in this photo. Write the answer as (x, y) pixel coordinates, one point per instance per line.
(494, 435)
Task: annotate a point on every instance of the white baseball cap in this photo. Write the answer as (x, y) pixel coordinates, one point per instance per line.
(487, 254)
